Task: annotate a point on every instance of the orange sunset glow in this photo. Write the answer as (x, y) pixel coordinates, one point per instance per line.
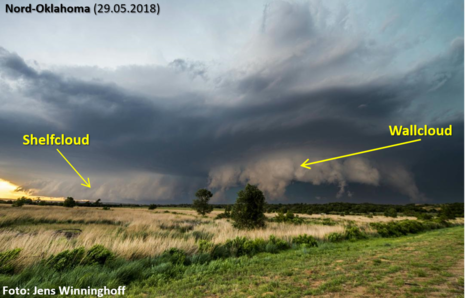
(9, 190)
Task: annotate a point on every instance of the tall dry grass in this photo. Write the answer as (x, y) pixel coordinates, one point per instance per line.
(129, 233)
(135, 233)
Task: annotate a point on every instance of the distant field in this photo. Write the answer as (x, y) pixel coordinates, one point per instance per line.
(424, 264)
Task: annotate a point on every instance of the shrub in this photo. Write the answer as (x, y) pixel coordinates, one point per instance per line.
(66, 259)
(201, 203)
(69, 202)
(252, 247)
(353, 233)
(220, 251)
(391, 212)
(289, 218)
(305, 239)
(248, 211)
(280, 243)
(241, 246)
(238, 246)
(424, 216)
(204, 245)
(404, 227)
(106, 208)
(438, 222)
(260, 244)
(5, 260)
(152, 207)
(271, 248)
(176, 256)
(97, 255)
(280, 217)
(289, 215)
(335, 237)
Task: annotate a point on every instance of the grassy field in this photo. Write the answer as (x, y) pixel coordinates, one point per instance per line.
(424, 265)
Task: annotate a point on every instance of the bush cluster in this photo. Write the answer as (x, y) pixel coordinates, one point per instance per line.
(404, 227)
(391, 212)
(96, 255)
(424, 216)
(241, 246)
(309, 241)
(353, 233)
(176, 256)
(204, 245)
(289, 217)
(21, 201)
(66, 259)
(335, 237)
(279, 243)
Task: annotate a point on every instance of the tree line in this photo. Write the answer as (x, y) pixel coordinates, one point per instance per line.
(203, 197)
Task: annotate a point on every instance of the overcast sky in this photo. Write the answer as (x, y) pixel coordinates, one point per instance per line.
(218, 94)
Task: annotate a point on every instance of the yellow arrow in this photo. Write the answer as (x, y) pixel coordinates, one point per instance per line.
(306, 165)
(86, 183)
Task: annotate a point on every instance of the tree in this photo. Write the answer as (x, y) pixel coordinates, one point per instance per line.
(201, 203)
(152, 207)
(98, 203)
(19, 202)
(446, 212)
(248, 212)
(69, 202)
(391, 212)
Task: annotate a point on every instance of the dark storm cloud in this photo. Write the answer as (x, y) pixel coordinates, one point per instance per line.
(311, 93)
(14, 66)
